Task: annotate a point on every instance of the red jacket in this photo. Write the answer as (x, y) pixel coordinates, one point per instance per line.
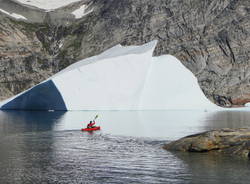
(91, 124)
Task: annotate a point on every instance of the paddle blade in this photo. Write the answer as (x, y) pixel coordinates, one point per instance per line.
(96, 117)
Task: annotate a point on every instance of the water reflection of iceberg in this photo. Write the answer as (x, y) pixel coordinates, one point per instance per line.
(27, 121)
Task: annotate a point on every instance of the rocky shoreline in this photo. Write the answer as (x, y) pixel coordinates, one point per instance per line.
(235, 142)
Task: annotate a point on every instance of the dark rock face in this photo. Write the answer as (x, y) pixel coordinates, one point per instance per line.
(23, 59)
(211, 38)
(229, 141)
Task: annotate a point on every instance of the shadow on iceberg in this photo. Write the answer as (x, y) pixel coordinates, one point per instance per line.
(44, 96)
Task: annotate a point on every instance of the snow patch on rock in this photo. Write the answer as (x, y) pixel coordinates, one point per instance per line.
(14, 15)
(48, 4)
(80, 12)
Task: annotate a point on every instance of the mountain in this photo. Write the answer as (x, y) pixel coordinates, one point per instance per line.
(210, 38)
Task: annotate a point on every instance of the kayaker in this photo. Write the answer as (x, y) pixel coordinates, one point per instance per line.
(91, 124)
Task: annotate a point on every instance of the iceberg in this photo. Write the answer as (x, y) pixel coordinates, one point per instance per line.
(121, 78)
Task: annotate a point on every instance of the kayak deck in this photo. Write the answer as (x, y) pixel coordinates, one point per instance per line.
(91, 129)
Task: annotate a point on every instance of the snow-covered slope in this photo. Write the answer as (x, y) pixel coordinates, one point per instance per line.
(121, 78)
(48, 4)
(80, 12)
(14, 15)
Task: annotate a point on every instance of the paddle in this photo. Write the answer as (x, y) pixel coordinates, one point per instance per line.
(95, 117)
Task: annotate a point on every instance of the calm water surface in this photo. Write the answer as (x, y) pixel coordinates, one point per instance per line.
(47, 147)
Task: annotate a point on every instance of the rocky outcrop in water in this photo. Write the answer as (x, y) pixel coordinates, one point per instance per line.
(229, 141)
(211, 38)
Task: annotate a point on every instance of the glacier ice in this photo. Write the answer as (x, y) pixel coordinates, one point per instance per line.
(121, 78)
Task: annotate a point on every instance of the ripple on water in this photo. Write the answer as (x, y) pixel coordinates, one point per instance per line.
(74, 157)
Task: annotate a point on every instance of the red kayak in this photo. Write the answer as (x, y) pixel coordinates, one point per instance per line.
(91, 129)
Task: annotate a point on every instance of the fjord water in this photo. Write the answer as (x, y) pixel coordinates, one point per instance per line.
(48, 147)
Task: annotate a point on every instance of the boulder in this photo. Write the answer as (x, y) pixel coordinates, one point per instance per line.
(228, 141)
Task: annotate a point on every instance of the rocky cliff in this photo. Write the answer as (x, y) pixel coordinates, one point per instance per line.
(211, 38)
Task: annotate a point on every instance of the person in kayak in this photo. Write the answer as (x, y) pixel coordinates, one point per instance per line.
(91, 124)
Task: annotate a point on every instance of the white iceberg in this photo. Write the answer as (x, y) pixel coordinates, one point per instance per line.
(121, 78)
